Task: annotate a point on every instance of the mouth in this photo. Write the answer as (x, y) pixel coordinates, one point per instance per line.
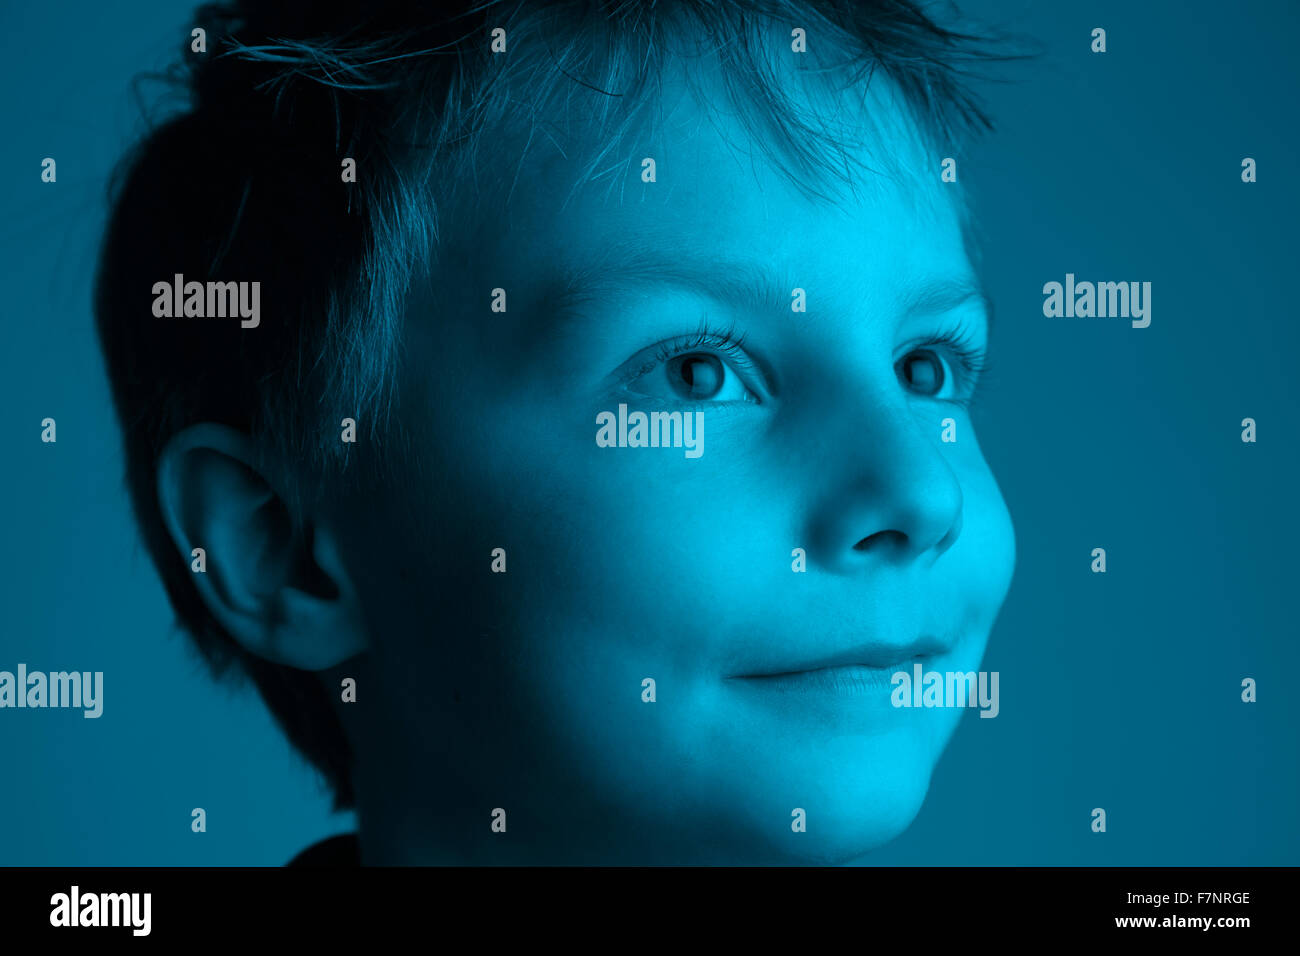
(863, 670)
(873, 657)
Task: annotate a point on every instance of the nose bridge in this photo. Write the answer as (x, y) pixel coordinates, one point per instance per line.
(890, 490)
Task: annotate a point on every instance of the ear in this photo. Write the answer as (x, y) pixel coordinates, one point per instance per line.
(278, 587)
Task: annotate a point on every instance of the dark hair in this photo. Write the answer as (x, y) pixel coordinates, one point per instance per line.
(244, 183)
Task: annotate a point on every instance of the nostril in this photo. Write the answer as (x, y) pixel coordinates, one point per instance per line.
(881, 539)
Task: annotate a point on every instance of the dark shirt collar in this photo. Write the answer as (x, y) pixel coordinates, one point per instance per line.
(341, 850)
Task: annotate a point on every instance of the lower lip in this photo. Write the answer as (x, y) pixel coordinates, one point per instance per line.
(850, 680)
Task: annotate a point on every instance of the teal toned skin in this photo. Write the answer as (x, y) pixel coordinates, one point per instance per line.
(523, 690)
(521, 696)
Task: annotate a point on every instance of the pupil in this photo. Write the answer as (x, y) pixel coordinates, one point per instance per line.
(924, 373)
(697, 376)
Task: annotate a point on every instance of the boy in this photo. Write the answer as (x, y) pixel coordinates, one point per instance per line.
(582, 481)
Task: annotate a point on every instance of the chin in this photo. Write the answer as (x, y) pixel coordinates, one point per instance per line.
(847, 816)
(848, 836)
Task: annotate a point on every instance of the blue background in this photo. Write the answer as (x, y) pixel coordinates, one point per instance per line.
(1119, 690)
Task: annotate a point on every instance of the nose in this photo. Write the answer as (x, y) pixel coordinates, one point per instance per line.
(892, 497)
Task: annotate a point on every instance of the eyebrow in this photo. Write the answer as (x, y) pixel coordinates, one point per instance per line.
(754, 283)
(944, 295)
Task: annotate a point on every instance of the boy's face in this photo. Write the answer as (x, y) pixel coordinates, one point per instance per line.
(822, 431)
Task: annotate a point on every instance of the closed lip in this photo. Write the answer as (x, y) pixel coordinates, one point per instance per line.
(875, 656)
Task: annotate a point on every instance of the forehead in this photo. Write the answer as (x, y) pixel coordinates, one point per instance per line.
(835, 188)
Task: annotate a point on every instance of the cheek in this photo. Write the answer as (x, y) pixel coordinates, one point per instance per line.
(986, 550)
(639, 566)
(614, 534)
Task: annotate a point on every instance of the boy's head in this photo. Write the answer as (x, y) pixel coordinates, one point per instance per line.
(730, 214)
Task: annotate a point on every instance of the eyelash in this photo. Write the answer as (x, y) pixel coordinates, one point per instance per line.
(725, 342)
(971, 358)
(958, 339)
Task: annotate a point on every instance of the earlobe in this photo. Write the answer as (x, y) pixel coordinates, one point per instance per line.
(329, 618)
(275, 583)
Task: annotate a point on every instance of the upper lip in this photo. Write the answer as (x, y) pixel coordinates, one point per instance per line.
(863, 655)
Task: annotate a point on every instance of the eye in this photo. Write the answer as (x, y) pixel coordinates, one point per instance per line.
(923, 371)
(707, 367)
(703, 376)
(947, 366)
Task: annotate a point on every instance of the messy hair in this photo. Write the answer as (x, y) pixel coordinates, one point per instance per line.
(244, 182)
